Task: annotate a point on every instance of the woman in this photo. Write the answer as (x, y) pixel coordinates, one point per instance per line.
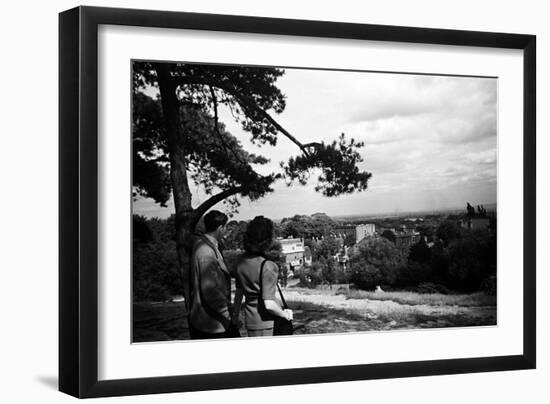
(261, 305)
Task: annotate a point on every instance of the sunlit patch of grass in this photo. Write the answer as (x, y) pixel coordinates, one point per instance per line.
(432, 299)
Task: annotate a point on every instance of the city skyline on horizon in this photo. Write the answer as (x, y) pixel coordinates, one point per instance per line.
(490, 207)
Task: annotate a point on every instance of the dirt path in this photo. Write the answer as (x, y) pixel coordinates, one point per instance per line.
(329, 312)
(322, 311)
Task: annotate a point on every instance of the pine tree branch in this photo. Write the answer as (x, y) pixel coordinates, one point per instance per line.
(251, 105)
(217, 129)
(213, 200)
(248, 104)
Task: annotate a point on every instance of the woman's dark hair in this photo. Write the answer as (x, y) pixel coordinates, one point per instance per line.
(258, 238)
(213, 220)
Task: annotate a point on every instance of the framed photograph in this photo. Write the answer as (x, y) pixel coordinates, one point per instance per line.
(251, 201)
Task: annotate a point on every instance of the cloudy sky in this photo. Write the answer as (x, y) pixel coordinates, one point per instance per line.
(430, 142)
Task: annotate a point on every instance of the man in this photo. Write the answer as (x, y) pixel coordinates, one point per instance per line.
(210, 283)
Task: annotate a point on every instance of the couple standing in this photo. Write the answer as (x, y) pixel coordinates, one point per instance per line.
(211, 313)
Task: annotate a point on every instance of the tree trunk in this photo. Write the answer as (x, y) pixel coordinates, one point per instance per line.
(185, 218)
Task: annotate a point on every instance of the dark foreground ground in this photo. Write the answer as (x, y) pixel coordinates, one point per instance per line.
(337, 310)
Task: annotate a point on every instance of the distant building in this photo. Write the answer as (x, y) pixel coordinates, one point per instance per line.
(475, 223)
(403, 238)
(293, 250)
(348, 232)
(407, 238)
(364, 230)
(414, 219)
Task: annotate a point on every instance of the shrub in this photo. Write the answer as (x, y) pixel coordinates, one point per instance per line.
(489, 285)
(471, 260)
(155, 275)
(366, 277)
(341, 275)
(375, 261)
(449, 231)
(414, 273)
(311, 277)
(428, 287)
(420, 252)
(322, 271)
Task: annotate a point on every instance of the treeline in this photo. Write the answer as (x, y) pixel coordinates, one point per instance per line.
(155, 264)
(459, 260)
(155, 274)
(454, 259)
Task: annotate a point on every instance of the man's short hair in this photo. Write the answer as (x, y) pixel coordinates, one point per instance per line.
(213, 220)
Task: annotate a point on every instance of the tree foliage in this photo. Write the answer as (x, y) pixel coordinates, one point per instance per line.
(375, 261)
(337, 163)
(472, 259)
(420, 252)
(178, 138)
(155, 276)
(214, 158)
(233, 239)
(305, 226)
(448, 231)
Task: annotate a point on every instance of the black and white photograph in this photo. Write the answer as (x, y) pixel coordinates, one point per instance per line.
(270, 201)
(276, 202)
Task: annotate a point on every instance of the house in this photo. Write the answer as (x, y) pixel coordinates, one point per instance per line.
(475, 223)
(407, 238)
(364, 230)
(293, 250)
(347, 232)
(403, 238)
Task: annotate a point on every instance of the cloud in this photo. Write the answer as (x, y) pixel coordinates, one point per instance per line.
(483, 157)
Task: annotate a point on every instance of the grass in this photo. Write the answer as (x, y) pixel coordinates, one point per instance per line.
(337, 310)
(394, 310)
(433, 299)
(159, 322)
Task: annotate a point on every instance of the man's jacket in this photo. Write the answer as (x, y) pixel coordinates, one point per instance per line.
(211, 289)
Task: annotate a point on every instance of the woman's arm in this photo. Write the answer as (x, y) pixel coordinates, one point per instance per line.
(269, 290)
(274, 308)
(239, 293)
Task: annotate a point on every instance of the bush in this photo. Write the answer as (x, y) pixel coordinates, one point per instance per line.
(155, 275)
(420, 252)
(366, 277)
(311, 277)
(428, 287)
(322, 271)
(413, 274)
(471, 260)
(449, 231)
(340, 275)
(376, 261)
(489, 285)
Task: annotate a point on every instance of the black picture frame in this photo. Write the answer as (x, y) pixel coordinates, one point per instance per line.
(78, 201)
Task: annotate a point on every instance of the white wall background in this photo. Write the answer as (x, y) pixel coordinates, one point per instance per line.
(28, 203)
